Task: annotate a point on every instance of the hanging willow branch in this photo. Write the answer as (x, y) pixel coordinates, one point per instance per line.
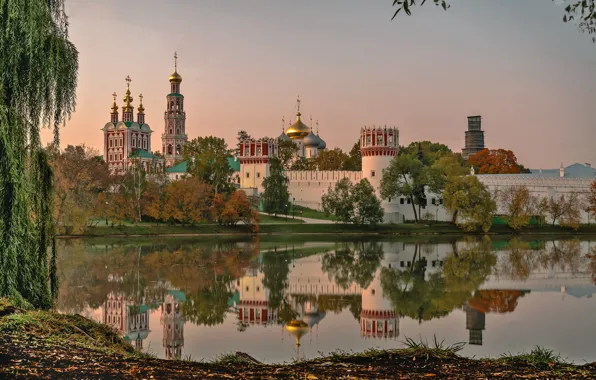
(38, 77)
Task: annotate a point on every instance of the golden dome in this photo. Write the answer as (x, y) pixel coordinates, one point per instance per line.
(114, 105)
(298, 329)
(175, 78)
(141, 109)
(298, 130)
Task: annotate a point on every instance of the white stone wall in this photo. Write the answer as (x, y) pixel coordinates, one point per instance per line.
(307, 187)
(542, 187)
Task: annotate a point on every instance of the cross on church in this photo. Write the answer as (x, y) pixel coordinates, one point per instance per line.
(298, 101)
(128, 80)
(114, 95)
(175, 61)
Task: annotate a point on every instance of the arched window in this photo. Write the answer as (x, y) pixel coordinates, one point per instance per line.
(171, 131)
(134, 145)
(178, 149)
(170, 149)
(177, 131)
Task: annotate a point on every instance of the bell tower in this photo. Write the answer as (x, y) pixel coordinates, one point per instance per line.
(174, 136)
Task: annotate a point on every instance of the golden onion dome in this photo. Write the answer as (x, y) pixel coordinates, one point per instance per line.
(297, 329)
(175, 78)
(298, 130)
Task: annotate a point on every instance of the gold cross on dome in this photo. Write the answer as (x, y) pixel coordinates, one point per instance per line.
(114, 95)
(141, 97)
(128, 80)
(298, 101)
(175, 61)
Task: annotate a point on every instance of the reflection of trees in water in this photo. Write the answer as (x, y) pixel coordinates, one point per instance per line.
(419, 295)
(592, 263)
(203, 272)
(353, 263)
(526, 257)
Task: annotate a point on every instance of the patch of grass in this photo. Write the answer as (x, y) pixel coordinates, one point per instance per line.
(312, 214)
(436, 348)
(539, 356)
(64, 329)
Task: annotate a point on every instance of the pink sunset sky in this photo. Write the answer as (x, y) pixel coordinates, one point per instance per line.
(243, 62)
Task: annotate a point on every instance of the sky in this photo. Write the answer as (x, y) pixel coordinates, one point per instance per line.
(530, 76)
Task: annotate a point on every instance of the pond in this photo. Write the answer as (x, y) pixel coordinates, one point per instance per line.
(279, 300)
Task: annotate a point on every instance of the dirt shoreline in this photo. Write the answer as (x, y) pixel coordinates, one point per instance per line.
(46, 345)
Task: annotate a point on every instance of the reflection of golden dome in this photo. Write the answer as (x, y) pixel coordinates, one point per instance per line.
(298, 130)
(175, 78)
(297, 329)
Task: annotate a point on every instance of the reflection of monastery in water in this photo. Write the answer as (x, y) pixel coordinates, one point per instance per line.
(173, 324)
(309, 286)
(132, 321)
(127, 319)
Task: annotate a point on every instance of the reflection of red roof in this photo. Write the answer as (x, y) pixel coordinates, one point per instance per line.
(496, 301)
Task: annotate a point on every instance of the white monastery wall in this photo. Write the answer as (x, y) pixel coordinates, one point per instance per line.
(308, 187)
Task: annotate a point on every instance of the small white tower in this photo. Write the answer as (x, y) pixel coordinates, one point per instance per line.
(378, 146)
(561, 171)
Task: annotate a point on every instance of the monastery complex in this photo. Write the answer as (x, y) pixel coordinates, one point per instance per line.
(127, 141)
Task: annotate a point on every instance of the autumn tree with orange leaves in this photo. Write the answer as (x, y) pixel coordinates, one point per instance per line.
(495, 161)
(187, 201)
(228, 210)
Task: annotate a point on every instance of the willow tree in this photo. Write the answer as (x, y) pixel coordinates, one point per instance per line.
(38, 76)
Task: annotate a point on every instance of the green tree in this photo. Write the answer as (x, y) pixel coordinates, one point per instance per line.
(207, 159)
(275, 195)
(581, 12)
(333, 159)
(242, 136)
(356, 204)
(367, 207)
(286, 152)
(38, 77)
(303, 163)
(352, 263)
(401, 179)
(470, 203)
(337, 201)
(354, 161)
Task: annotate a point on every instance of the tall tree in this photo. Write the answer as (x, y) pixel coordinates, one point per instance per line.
(566, 210)
(337, 201)
(400, 179)
(470, 203)
(286, 152)
(207, 159)
(38, 77)
(354, 161)
(275, 195)
(580, 12)
(495, 161)
(79, 177)
(242, 136)
(333, 159)
(520, 206)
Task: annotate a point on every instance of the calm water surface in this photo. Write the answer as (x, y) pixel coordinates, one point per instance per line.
(278, 301)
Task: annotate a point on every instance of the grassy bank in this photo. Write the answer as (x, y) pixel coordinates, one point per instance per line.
(330, 229)
(47, 345)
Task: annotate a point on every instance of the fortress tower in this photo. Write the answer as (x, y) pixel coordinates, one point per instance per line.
(378, 146)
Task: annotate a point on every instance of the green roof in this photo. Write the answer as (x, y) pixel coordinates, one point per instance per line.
(176, 94)
(234, 164)
(180, 168)
(128, 123)
(178, 295)
(141, 153)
